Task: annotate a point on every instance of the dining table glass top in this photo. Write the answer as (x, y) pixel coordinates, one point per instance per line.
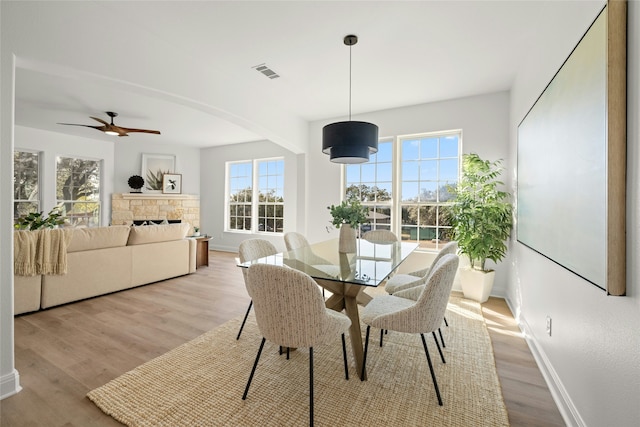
(368, 266)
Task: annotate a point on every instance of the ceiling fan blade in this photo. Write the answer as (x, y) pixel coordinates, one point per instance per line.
(112, 129)
(101, 128)
(100, 120)
(156, 132)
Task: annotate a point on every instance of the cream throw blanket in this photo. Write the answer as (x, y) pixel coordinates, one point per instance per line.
(40, 251)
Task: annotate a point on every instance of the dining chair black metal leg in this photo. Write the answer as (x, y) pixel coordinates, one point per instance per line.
(287, 353)
(245, 319)
(311, 386)
(344, 356)
(253, 370)
(381, 335)
(438, 345)
(364, 358)
(445, 321)
(441, 338)
(433, 374)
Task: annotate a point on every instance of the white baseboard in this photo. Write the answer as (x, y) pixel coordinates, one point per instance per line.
(223, 248)
(562, 399)
(10, 384)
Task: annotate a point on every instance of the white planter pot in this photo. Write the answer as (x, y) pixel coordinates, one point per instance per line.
(476, 284)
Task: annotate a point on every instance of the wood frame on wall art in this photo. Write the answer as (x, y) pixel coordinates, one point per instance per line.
(617, 146)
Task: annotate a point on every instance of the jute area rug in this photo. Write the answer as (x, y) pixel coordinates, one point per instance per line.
(201, 382)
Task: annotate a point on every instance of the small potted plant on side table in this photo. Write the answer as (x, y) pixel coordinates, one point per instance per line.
(347, 216)
(482, 221)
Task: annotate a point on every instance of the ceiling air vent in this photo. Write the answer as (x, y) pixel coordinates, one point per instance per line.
(266, 71)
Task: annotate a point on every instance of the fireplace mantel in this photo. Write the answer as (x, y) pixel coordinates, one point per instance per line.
(152, 196)
(127, 207)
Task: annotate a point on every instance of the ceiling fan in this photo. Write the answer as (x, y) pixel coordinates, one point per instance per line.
(111, 129)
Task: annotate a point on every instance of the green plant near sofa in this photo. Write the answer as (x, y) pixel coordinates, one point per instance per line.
(36, 220)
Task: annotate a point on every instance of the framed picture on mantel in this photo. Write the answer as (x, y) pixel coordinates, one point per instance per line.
(154, 166)
(172, 183)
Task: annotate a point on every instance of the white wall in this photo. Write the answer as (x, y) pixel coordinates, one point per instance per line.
(593, 356)
(128, 162)
(213, 191)
(484, 121)
(53, 144)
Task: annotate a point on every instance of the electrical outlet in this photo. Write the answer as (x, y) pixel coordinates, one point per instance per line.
(549, 325)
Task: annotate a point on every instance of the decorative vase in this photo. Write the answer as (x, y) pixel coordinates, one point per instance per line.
(136, 182)
(347, 239)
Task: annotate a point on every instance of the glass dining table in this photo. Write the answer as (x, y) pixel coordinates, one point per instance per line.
(345, 275)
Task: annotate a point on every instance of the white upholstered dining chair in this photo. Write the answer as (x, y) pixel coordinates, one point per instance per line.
(402, 281)
(291, 312)
(294, 240)
(402, 285)
(390, 312)
(249, 250)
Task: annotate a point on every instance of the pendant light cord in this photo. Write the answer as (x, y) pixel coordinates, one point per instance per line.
(350, 46)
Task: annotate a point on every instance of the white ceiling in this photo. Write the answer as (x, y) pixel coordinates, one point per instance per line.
(185, 68)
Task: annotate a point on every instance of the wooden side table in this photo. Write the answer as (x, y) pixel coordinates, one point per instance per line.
(202, 251)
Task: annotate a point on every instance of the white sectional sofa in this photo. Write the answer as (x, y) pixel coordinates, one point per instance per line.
(102, 260)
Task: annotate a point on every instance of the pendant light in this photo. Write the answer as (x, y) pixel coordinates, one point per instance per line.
(350, 142)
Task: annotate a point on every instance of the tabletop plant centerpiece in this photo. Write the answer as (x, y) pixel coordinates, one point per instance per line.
(347, 216)
(482, 222)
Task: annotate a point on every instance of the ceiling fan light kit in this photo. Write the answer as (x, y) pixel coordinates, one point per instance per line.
(112, 129)
(350, 142)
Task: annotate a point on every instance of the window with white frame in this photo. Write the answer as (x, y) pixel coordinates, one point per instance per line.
(429, 166)
(406, 186)
(255, 201)
(240, 189)
(78, 190)
(372, 184)
(26, 179)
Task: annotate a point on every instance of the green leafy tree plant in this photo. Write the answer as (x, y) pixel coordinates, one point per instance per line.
(482, 214)
(36, 220)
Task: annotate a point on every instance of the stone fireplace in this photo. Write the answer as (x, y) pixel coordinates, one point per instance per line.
(129, 207)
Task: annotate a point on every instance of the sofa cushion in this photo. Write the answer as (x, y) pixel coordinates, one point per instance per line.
(85, 239)
(157, 233)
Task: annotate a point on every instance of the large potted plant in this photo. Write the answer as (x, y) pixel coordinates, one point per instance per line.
(347, 216)
(482, 221)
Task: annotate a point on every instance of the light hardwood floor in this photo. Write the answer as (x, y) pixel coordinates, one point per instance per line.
(64, 352)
